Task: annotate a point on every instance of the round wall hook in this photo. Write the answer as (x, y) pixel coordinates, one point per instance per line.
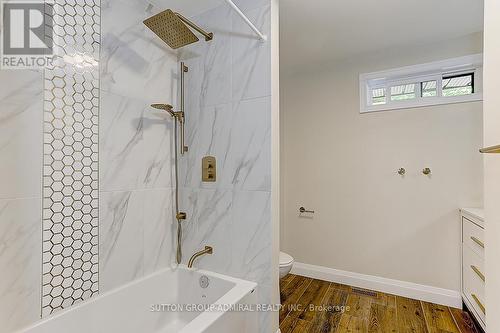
(427, 171)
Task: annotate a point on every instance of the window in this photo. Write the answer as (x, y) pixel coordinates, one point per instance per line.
(429, 88)
(458, 85)
(450, 81)
(403, 92)
(378, 96)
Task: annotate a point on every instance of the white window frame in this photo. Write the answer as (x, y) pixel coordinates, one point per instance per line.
(434, 71)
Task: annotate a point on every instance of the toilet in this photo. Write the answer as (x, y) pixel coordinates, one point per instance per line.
(286, 263)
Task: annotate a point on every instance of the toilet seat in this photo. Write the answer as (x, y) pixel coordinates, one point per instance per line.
(285, 259)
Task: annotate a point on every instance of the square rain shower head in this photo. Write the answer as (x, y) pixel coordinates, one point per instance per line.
(170, 28)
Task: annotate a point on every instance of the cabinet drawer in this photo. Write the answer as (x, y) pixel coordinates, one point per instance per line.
(473, 236)
(473, 283)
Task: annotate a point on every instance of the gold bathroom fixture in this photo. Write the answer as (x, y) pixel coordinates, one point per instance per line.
(402, 171)
(182, 122)
(173, 29)
(179, 115)
(208, 169)
(427, 171)
(207, 250)
(490, 150)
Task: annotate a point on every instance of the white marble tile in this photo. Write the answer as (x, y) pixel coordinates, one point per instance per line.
(251, 57)
(20, 260)
(134, 61)
(246, 5)
(21, 97)
(208, 223)
(208, 81)
(136, 145)
(248, 160)
(251, 236)
(121, 243)
(208, 134)
(159, 229)
(121, 135)
(158, 149)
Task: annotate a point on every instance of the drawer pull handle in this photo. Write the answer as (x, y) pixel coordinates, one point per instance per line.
(478, 272)
(479, 303)
(477, 241)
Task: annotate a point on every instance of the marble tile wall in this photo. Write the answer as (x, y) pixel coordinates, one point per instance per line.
(21, 100)
(228, 112)
(136, 144)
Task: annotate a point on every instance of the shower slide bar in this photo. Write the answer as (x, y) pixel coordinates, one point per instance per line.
(243, 16)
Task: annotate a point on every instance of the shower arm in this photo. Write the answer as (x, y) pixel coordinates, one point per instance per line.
(208, 35)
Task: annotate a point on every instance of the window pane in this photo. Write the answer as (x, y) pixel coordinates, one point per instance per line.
(403, 92)
(378, 96)
(458, 85)
(429, 89)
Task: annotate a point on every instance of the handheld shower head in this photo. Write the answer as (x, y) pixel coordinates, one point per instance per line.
(164, 107)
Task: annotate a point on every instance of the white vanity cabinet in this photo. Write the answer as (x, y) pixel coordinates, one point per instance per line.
(473, 280)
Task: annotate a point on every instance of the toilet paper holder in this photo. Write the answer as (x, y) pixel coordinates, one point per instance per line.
(303, 210)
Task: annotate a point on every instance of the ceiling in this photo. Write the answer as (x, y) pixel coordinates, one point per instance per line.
(319, 31)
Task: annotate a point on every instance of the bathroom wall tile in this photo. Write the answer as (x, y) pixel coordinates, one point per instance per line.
(208, 81)
(20, 258)
(251, 236)
(251, 57)
(228, 114)
(159, 229)
(121, 136)
(248, 160)
(208, 133)
(158, 149)
(246, 5)
(238, 136)
(20, 87)
(21, 97)
(208, 223)
(134, 61)
(121, 243)
(136, 145)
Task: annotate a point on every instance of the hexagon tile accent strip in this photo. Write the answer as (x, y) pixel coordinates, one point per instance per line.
(70, 161)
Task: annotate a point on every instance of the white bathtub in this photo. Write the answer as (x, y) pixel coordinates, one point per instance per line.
(134, 307)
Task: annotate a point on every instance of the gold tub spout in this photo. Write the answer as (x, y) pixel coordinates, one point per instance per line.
(208, 250)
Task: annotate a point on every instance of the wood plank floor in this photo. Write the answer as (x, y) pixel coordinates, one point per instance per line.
(315, 306)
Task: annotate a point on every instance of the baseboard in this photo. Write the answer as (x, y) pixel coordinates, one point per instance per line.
(401, 288)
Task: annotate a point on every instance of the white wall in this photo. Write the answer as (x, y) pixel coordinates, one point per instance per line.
(343, 165)
(492, 162)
